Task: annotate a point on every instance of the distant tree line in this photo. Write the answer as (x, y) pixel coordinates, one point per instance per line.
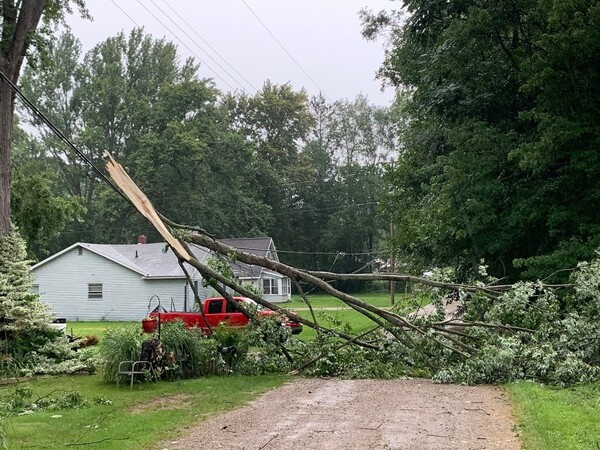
(489, 153)
(303, 170)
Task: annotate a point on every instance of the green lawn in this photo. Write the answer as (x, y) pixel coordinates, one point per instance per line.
(557, 418)
(94, 328)
(137, 419)
(332, 312)
(339, 319)
(327, 301)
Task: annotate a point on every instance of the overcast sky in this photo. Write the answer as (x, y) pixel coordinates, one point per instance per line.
(323, 36)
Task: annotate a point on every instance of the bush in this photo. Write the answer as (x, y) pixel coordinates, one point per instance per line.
(119, 344)
(28, 343)
(193, 351)
(186, 349)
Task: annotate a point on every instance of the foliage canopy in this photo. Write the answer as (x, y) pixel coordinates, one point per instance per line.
(500, 156)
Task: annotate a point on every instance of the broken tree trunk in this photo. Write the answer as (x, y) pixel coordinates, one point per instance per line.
(396, 324)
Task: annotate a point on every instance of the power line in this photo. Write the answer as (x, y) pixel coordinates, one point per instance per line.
(186, 46)
(325, 209)
(336, 254)
(123, 11)
(285, 50)
(198, 45)
(61, 136)
(209, 46)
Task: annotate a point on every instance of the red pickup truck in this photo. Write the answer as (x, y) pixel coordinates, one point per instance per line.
(217, 311)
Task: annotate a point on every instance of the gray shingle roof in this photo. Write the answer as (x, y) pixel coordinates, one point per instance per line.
(157, 260)
(255, 246)
(154, 260)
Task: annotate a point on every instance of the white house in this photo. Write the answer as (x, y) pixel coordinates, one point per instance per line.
(116, 282)
(124, 282)
(276, 288)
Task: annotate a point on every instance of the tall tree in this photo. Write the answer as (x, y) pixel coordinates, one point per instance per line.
(188, 153)
(316, 194)
(102, 101)
(277, 121)
(322, 167)
(498, 159)
(53, 88)
(364, 141)
(40, 208)
(19, 22)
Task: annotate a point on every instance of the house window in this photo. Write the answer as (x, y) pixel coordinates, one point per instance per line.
(95, 291)
(287, 286)
(270, 286)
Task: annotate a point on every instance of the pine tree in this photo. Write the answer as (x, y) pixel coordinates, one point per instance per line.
(24, 319)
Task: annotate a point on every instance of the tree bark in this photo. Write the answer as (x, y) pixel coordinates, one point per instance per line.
(6, 121)
(18, 22)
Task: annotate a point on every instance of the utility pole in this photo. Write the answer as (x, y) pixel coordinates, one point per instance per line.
(392, 249)
(392, 264)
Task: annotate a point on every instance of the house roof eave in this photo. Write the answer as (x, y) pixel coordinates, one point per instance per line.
(56, 255)
(163, 277)
(91, 249)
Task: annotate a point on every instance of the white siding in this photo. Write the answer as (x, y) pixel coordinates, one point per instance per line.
(63, 283)
(280, 297)
(273, 298)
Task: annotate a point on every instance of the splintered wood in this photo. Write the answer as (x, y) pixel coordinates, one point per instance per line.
(142, 204)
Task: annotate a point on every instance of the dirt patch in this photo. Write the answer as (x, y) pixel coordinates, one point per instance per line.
(362, 414)
(179, 401)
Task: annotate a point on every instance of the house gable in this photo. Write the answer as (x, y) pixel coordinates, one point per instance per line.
(103, 251)
(263, 246)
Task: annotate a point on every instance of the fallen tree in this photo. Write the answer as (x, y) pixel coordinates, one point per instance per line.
(527, 330)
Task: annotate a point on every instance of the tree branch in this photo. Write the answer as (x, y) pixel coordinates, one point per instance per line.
(293, 273)
(208, 273)
(29, 16)
(456, 323)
